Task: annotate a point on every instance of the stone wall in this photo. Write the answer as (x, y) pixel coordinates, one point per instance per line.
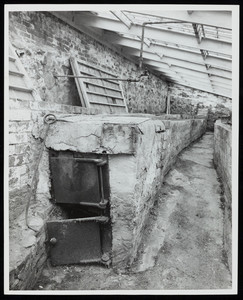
(46, 44)
(223, 163)
(185, 100)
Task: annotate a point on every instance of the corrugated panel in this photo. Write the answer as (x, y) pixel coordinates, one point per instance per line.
(105, 95)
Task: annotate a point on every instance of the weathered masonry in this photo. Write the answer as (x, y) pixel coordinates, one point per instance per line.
(139, 151)
(94, 126)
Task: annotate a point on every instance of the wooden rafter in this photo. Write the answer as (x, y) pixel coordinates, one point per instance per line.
(176, 53)
(156, 34)
(220, 19)
(202, 61)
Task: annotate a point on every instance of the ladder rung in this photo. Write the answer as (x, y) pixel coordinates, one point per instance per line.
(92, 75)
(108, 104)
(16, 73)
(95, 68)
(102, 86)
(104, 95)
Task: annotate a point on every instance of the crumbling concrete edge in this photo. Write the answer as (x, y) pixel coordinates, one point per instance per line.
(222, 162)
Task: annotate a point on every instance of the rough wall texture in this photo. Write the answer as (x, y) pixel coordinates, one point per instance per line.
(185, 100)
(142, 175)
(27, 248)
(47, 43)
(25, 127)
(223, 163)
(140, 152)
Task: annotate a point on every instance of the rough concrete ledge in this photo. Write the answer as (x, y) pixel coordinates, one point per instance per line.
(141, 149)
(223, 164)
(99, 134)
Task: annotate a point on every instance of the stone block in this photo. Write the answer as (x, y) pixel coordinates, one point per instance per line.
(19, 115)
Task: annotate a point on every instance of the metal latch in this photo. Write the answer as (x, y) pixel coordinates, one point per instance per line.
(158, 129)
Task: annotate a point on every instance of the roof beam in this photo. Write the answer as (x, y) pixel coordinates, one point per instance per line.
(181, 77)
(203, 83)
(177, 68)
(214, 80)
(175, 53)
(199, 35)
(155, 33)
(180, 63)
(220, 19)
(176, 75)
(123, 18)
(204, 89)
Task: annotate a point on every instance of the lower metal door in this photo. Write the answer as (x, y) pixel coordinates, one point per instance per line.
(75, 241)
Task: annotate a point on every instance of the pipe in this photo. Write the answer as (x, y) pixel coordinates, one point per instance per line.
(48, 119)
(142, 37)
(102, 78)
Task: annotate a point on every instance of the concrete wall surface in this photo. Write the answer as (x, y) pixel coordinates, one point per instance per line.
(223, 163)
(140, 151)
(185, 100)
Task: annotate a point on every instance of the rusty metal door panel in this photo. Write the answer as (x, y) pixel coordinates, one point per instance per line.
(75, 240)
(75, 181)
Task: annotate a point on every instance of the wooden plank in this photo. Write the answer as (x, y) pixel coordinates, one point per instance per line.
(11, 58)
(16, 73)
(20, 88)
(101, 93)
(123, 98)
(159, 34)
(108, 104)
(96, 68)
(104, 95)
(20, 69)
(107, 87)
(220, 18)
(20, 95)
(123, 18)
(91, 75)
(80, 85)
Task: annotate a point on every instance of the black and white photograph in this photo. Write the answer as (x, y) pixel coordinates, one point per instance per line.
(121, 149)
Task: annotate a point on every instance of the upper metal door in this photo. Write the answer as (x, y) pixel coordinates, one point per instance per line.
(75, 180)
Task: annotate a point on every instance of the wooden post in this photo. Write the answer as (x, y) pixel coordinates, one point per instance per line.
(168, 105)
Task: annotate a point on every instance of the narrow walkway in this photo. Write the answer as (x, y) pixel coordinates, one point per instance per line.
(183, 244)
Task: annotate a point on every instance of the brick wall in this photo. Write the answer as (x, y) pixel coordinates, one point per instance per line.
(185, 100)
(47, 44)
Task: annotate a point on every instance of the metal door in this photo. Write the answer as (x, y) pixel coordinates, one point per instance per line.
(77, 180)
(78, 241)
(78, 186)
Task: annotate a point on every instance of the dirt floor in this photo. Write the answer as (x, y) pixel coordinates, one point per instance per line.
(183, 242)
